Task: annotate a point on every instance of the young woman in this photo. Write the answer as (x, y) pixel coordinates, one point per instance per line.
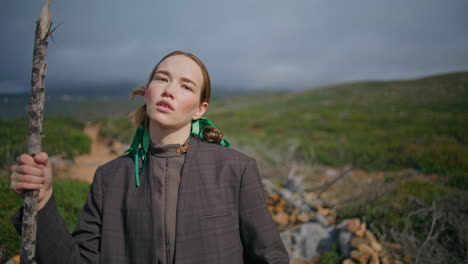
(173, 198)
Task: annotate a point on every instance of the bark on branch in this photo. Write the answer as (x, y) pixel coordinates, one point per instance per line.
(323, 187)
(36, 112)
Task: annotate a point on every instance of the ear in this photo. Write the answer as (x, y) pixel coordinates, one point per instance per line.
(201, 111)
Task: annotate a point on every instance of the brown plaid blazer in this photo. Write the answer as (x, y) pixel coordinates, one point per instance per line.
(221, 215)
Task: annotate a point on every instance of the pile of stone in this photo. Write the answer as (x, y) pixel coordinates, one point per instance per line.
(309, 229)
(364, 247)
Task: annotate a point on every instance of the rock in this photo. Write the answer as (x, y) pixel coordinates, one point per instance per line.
(360, 257)
(321, 219)
(331, 172)
(387, 257)
(293, 217)
(357, 241)
(324, 211)
(14, 260)
(292, 242)
(393, 245)
(362, 230)
(374, 258)
(274, 196)
(294, 184)
(304, 217)
(272, 209)
(344, 242)
(331, 219)
(281, 207)
(301, 261)
(343, 224)
(373, 241)
(407, 258)
(386, 260)
(317, 240)
(309, 197)
(315, 231)
(309, 240)
(353, 224)
(281, 218)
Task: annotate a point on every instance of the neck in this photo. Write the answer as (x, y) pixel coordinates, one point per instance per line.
(165, 136)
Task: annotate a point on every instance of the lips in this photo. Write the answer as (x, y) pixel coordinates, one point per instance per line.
(164, 106)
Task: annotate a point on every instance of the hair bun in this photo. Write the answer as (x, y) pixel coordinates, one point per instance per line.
(212, 134)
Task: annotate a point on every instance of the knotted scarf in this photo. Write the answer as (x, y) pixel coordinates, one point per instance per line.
(141, 142)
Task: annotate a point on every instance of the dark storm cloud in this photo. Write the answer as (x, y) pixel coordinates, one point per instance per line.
(245, 44)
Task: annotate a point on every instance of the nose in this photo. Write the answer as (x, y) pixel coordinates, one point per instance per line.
(168, 90)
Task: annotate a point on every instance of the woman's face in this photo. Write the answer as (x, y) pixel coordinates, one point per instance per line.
(173, 96)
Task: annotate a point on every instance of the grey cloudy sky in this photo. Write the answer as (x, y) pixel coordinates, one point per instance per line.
(261, 44)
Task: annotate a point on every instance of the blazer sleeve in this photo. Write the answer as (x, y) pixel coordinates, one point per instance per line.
(259, 234)
(54, 244)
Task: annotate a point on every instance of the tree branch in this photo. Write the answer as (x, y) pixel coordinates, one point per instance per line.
(36, 113)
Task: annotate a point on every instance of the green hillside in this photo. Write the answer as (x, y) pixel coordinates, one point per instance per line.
(62, 135)
(420, 124)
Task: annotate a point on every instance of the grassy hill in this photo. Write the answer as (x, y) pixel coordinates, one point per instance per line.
(62, 135)
(420, 124)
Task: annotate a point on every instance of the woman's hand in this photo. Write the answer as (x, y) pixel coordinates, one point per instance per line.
(32, 173)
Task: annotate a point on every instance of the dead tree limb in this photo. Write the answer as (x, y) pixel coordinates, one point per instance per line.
(36, 113)
(323, 187)
(430, 236)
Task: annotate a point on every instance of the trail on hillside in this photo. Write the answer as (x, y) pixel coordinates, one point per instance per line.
(84, 166)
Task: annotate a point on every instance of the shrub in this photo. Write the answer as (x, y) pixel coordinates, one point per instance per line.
(62, 135)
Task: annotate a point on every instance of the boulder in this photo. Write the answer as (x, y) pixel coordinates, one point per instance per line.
(344, 242)
(357, 241)
(309, 240)
(281, 218)
(362, 230)
(374, 243)
(316, 240)
(353, 225)
(294, 184)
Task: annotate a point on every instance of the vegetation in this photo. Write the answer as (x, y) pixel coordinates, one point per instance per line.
(331, 257)
(389, 208)
(70, 195)
(62, 135)
(420, 124)
(119, 129)
(427, 219)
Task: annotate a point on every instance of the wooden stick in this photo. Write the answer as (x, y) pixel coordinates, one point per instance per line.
(323, 187)
(36, 113)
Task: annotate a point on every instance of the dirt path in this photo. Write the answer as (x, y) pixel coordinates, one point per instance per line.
(84, 166)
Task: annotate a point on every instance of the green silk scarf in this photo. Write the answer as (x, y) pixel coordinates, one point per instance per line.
(141, 142)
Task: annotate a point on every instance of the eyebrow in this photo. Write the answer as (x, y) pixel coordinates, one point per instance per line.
(182, 78)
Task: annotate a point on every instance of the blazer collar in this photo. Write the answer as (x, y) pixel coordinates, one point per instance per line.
(192, 150)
